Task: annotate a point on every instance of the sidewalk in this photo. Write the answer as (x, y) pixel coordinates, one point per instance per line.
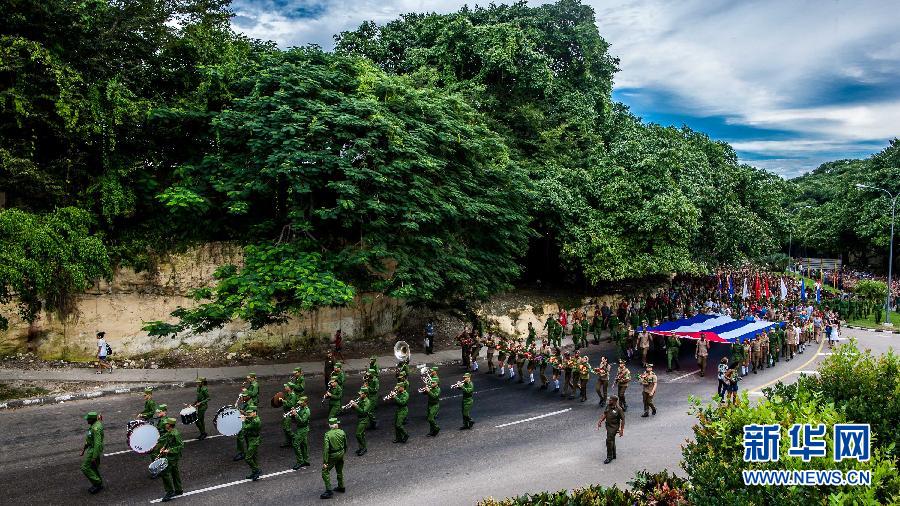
(133, 380)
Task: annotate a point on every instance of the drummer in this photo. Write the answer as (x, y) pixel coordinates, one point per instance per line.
(170, 445)
(160, 417)
(149, 405)
(253, 389)
(241, 405)
(201, 405)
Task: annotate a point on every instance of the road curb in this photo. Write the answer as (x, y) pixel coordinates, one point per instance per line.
(854, 327)
(56, 399)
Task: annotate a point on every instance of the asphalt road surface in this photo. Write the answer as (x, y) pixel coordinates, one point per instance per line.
(524, 440)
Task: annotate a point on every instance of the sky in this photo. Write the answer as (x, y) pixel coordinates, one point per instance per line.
(788, 83)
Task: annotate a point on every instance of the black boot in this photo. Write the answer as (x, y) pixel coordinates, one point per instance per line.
(326, 495)
(607, 461)
(168, 497)
(340, 489)
(239, 456)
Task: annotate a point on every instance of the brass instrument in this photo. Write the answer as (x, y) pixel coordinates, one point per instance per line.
(352, 403)
(401, 351)
(458, 384)
(391, 395)
(324, 397)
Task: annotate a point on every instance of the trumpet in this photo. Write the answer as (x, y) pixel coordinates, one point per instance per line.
(324, 397)
(291, 412)
(351, 404)
(391, 395)
(458, 384)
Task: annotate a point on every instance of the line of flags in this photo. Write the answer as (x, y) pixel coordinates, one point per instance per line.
(762, 290)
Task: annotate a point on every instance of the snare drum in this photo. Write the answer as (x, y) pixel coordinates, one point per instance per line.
(189, 415)
(228, 421)
(142, 436)
(158, 466)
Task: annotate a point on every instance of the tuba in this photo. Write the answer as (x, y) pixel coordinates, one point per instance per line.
(401, 351)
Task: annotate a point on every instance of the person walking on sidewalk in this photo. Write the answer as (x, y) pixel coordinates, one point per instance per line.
(103, 352)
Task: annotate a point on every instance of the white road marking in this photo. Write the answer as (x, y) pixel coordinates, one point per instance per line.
(684, 376)
(476, 392)
(225, 485)
(808, 373)
(186, 441)
(533, 418)
(756, 394)
(825, 354)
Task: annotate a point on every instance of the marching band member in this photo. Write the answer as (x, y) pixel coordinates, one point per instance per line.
(401, 399)
(241, 404)
(468, 390)
(149, 405)
(252, 389)
(299, 381)
(333, 396)
(92, 451)
(602, 372)
(333, 449)
(363, 408)
(300, 414)
(288, 403)
(251, 428)
(372, 394)
(201, 404)
(171, 445)
(491, 346)
(623, 376)
(649, 381)
(433, 391)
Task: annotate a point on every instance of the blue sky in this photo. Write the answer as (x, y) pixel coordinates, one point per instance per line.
(789, 84)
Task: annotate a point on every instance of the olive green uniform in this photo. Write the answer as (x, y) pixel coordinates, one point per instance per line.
(468, 391)
(434, 405)
(93, 450)
(288, 403)
(402, 402)
(301, 435)
(363, 412)
(615, 420)
(253, 392)
(202, 403)
(251, 427)
(648, 381)
(334, 402)
(171, 476)
(149, 409)
(333, 449)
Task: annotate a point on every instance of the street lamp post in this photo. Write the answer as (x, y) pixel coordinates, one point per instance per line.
(887, 301)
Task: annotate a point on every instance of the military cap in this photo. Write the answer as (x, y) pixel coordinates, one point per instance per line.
(251, 375)
(303, 398)
(333, 421)
(201, 379)
(467, 375)
(298, 369)
(170, 421)
(162, 407)
(148, 390)
(92, 415)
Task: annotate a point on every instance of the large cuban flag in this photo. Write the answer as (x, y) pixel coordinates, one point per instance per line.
(716, 327)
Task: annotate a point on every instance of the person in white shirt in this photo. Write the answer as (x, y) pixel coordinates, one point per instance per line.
(102, 354)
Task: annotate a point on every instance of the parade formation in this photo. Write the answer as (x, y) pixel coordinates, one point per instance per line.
(536, 360)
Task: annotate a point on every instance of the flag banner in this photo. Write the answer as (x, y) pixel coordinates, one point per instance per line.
(716, 327)
(783, 290)
(745, 294)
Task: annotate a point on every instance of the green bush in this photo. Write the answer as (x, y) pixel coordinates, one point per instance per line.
(871, 290)
(647, 489)
(714, 460)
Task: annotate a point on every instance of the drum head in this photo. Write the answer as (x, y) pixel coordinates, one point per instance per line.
(228, 421)
(159, 465)
(190, 410)
(143, 438)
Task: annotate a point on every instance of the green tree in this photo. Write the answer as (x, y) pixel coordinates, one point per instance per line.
(47, 260)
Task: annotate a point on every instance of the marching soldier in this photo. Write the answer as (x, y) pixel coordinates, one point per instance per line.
(623, 377)
(621, 339)
(602, 372)
(242, 405)
(339, 373)
(170, 445)
(576, 334)
(251, 427)
(644, 343)
(702, 353)
(401, 399)
(584, 374)
(364, 412)
(433, 391)
(648, 380)
(374, 387)
(542, 364)
(288, 403)
(532, 335)
(491, 346)
(468, 390)
(764, 350)
(252, 389)
(615, 424)
(567, 374)
(299, 381)
(333, 449)
(162, 412)
(673, 345)
(329, 367)
(334, 394)
(92, 451)
(520, 364)
(301, 435)
(201, 404)
(149, 405)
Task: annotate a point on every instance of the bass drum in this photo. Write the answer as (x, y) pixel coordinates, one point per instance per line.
(189, 415)
(142, 436)
(158, 466)
(228, 421)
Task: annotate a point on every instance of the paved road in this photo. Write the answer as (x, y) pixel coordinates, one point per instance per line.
(499, 457)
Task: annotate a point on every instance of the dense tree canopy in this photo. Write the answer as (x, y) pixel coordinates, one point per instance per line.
(435, 158)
